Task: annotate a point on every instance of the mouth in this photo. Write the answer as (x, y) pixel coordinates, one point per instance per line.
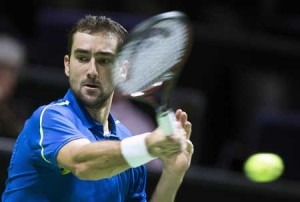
(91, 85)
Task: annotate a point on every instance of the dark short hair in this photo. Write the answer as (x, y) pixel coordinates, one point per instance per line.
(95, 24)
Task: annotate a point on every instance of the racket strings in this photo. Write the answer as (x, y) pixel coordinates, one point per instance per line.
(153, 54)
(150, 64)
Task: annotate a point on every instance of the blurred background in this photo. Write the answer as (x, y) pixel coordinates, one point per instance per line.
(240, 84)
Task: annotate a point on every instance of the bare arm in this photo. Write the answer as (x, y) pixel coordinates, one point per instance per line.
(104, 159)
(94, 160)
(175, 167)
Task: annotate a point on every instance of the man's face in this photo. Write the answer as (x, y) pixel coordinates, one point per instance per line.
(89, 67)
(8, 80)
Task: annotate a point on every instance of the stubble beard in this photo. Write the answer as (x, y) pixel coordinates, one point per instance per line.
(95, 101)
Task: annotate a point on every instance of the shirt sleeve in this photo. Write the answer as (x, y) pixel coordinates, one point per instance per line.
(57, 126)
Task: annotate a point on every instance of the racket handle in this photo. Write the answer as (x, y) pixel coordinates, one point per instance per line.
(166, 120)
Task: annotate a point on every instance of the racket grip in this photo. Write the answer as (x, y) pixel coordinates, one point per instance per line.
(166, 120)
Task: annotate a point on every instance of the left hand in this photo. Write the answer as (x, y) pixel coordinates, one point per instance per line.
(179, 164)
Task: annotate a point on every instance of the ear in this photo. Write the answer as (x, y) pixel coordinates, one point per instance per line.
(123, 70)
(67, 65)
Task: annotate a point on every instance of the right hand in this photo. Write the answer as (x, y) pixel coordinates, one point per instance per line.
(165, 147)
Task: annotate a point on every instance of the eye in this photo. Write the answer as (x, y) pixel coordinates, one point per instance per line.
(82, 58)
(105, 61)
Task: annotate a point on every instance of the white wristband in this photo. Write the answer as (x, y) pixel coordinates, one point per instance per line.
(135, 151)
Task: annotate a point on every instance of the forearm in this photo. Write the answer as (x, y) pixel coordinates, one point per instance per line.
(94, 160)
(103, 159)
(167, 188)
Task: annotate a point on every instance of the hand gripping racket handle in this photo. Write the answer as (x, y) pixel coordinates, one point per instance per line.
(166, 120)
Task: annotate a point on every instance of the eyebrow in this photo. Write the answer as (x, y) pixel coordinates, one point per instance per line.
(79, 50)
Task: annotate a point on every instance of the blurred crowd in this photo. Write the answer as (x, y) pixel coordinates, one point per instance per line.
(12, 62)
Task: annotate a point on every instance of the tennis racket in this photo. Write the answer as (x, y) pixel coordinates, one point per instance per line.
(149, 63)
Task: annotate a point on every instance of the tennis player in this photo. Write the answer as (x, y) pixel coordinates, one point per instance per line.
(73, 149)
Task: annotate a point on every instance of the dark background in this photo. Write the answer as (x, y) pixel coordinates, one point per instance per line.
(240, 83)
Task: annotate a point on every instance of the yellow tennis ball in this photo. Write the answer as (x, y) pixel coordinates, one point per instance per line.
(263, 167)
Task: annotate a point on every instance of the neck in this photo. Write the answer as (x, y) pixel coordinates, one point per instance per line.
(101, 114)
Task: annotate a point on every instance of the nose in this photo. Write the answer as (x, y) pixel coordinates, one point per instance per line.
(92, 71)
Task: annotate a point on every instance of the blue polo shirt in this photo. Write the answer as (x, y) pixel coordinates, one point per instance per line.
(34, 175)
